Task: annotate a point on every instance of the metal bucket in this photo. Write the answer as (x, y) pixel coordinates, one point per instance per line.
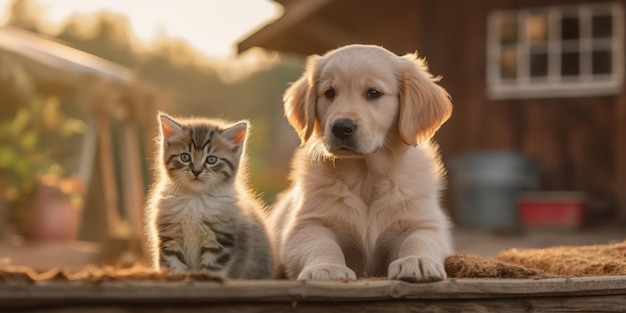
(485, 186)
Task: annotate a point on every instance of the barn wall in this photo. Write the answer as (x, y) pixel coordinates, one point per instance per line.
(580, 142)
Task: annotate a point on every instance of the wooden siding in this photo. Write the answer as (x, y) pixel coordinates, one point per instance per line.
(580, 143)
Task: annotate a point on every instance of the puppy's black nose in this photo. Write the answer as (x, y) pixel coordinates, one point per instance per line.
(343, 129)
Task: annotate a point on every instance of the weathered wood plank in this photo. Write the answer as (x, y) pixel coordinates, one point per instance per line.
(515, 305)
(51, 293)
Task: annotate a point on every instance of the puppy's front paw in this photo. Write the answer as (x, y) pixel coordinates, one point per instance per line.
(326, 272)
(416, 269)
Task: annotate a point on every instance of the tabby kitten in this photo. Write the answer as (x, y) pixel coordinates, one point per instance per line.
(201, 215)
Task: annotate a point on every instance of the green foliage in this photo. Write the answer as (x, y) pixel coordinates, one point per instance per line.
(24, 160)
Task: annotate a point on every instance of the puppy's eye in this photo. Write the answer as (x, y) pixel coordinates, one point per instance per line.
(329, 94)
(185, 157)
(373, 94)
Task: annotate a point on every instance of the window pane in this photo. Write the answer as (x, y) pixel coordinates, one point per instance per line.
(508, 63)
(508, 29)
(539, 65)
(570, 64)
(601, 62)
(536, 28)
(555, 50)
(602, 26)
(570, 28)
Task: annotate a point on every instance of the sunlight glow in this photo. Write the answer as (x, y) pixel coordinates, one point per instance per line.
(212, 26)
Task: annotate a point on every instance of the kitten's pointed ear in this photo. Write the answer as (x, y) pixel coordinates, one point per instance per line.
(169, 127)
(236, 134)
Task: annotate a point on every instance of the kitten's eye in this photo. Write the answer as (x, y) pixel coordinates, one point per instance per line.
(329, 94)
(185, 157)
(211, 159)
(373, 94)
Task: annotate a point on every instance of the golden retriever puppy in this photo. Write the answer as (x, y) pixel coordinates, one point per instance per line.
(365, 182)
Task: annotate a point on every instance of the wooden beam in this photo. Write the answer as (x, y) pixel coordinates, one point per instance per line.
(107, 170)
(293, 14)
(101, 98)
(588, 294)
(132, 183)
(327, 35)
(620, 155)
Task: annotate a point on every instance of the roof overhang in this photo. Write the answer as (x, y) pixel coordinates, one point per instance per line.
(315, 27)
(297, 21)
(55, 66)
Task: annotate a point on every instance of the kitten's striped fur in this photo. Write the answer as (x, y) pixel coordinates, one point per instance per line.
(201, 215)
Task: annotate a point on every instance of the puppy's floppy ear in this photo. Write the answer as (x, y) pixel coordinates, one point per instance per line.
(424, 105)
(300, 99)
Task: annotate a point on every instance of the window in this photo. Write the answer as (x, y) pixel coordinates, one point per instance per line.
(561, 51)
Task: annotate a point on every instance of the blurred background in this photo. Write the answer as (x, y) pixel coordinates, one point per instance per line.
(535, 149)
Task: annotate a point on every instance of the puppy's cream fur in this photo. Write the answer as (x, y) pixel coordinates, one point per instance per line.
(367, 205)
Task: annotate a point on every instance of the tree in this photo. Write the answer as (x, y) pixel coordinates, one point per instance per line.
(25, 14)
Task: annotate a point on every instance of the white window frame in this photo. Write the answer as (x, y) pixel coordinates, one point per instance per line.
(555, 84)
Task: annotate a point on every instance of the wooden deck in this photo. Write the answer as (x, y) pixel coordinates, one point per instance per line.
(588, 294)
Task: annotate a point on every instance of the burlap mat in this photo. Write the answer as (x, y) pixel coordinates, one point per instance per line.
(14, 273)
(561, 261)
(595, 260)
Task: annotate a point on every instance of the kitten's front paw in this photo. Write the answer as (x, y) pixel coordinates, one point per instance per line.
(174, 270)
(326, 272)
(417, 269)
(172, 266)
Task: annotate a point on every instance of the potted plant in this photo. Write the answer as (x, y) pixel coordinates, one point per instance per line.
(40, 198)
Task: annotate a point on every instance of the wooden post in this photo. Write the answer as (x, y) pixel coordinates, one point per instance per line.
(132, 184)
(107, 170)
(620, 156)
(141, 106)
(102, 98)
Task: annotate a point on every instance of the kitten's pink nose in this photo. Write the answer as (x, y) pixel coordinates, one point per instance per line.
(196, 173)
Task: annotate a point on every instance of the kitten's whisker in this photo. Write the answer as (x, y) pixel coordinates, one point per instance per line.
(178, 184)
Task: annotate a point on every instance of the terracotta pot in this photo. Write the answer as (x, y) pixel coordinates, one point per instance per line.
(54, 218)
